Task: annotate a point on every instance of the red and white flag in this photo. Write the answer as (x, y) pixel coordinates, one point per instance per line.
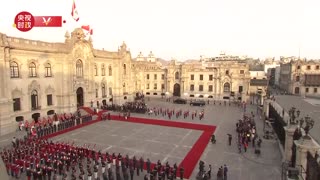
(74, 12)
(88, 29)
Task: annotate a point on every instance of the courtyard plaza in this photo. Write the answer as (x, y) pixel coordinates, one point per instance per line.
(172, 144)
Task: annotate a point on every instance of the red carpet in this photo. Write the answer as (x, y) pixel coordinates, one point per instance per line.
(87, 109)
(192, 157)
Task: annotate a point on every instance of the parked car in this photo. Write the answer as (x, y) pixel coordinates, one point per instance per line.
(197, 103)
(180, 101)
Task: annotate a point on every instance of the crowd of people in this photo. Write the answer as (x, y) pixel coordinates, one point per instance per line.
(134, 107)
(39, 159)
(170, 113)
(246, 131)
(222, 172)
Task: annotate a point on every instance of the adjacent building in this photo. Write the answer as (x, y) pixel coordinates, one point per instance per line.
(301, 77)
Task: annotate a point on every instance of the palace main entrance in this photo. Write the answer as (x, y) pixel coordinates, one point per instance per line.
(176, 89)
(80, 99)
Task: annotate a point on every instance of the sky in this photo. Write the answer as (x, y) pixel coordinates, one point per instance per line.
(182, 29)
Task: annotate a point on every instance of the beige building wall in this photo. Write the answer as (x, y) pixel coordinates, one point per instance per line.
(293, 74)
(41, 78)
(33, 70)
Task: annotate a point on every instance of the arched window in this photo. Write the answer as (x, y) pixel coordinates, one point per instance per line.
(96, 70)
(226, 87)
(34, 100)
(32, 70)
(103, 90)
(14, 70)
(48, 70)
(110, 70)
(103, 70)
(79, 68)
(177, 75)
(124, 69)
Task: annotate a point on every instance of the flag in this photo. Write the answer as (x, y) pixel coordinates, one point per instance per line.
(74, 12)
(88, 29)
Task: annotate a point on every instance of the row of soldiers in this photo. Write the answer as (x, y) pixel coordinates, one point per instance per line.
(41, 159)
(166, 112)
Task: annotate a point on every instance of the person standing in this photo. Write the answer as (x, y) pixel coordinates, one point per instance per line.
(230, 139)
(225, 172)
(181, 172)
(209, 171)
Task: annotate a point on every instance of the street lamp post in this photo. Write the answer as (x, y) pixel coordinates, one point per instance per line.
(294, 114)
(307, 124)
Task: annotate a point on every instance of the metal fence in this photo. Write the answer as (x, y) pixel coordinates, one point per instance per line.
(278, 124)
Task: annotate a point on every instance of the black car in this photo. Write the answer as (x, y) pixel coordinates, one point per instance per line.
(180, 101)
(197, 103)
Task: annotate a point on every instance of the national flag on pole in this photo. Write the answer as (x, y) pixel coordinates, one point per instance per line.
(74, 12)
(88, 29)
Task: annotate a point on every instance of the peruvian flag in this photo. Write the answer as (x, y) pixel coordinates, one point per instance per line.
(88, 29)
(74, 12)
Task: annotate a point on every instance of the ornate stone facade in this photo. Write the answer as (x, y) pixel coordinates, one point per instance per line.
(300, 77)
(39, 78)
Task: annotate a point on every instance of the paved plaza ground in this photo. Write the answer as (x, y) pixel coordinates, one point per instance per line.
(172, 144)
(307, 106)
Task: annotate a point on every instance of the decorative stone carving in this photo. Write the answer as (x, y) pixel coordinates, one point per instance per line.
(34, 85)
(78, 34)
(17, 93)
(49, 90)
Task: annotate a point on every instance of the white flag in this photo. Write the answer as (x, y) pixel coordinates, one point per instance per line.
(74, 12)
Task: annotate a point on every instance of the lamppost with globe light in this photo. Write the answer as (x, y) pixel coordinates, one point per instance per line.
(294, 114)
(307, 124)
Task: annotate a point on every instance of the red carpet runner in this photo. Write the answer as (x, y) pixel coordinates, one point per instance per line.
(192, 157)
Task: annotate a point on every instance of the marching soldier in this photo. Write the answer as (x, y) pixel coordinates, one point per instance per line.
(181, 172)
(141, 164)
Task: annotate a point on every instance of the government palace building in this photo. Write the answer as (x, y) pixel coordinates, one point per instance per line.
(40, 78)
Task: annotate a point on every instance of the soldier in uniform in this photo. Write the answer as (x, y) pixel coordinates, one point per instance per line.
(29, 173)
(134, 162)
(141, 164)
(131, 173)
(103, 166)
(148, 163)
(181, 172)
(95, 168)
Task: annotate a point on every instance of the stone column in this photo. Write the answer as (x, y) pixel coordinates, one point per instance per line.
(289, 141)
(304, 145)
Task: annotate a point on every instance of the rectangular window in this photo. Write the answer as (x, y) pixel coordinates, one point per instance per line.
(49, 100)
(200, 87)
(240, 89)
(210, 88)
(148, 86)
(241, 71)
(210, 77)
(148, 77)
(162, 86)
(162, 76)
(307, 90)
(192, 77)
(315, 90)
(16, 104)
(97, 95)
(201, 77)
(155, 86)
(48, 71)
(317, 67)
(155, 77)
(308, 67)
(191, 87)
